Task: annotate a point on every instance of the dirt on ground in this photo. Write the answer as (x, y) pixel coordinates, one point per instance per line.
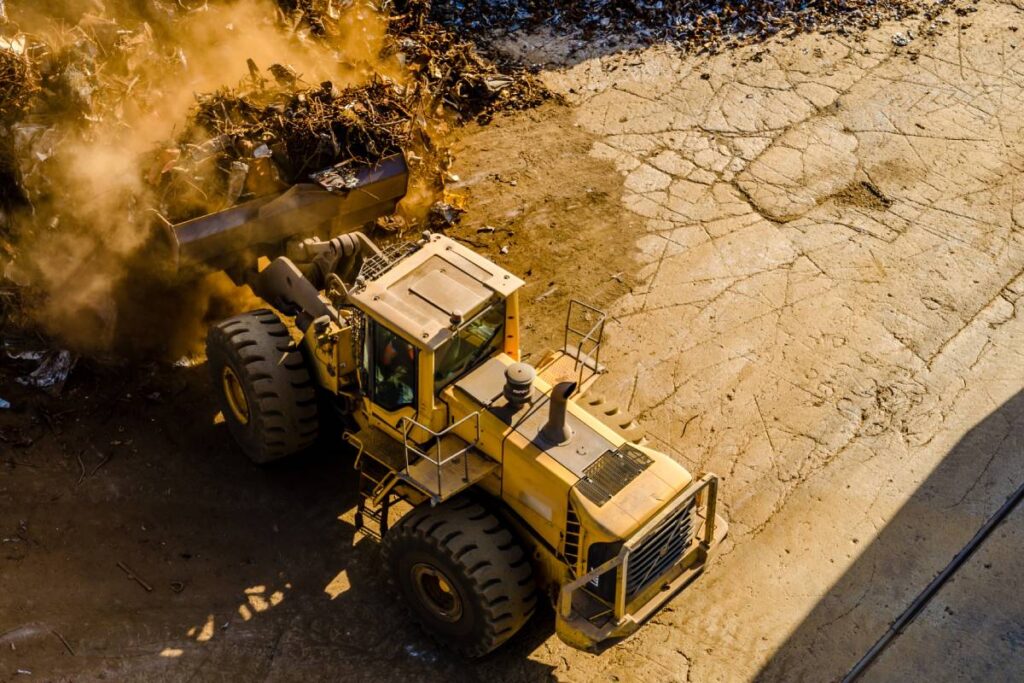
(256, 573)
(811, 251)
(542, 208)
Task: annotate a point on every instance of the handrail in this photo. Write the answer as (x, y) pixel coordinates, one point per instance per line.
(408, 424)
(594, 335)
(358, 443)
(620, 562)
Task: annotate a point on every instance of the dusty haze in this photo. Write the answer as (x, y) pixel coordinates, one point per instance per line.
(90, 216)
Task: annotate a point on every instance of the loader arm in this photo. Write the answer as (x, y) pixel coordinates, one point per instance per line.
(235, 238)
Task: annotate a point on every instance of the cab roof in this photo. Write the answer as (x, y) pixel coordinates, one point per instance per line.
(418, 289)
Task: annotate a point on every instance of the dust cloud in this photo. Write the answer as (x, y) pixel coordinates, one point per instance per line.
(123, 78)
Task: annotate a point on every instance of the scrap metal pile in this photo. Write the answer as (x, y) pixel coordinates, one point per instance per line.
(690, 24)
(99, 147)
(455, 70)
(18, 80)
(261, 141)
(279, 131)
(277, 125)
(451, 71)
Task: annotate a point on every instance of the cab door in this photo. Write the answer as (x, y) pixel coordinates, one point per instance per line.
(392, 385)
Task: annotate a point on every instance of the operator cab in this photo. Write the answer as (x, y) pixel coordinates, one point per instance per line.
(435, 311)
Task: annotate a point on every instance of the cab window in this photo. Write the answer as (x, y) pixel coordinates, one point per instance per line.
(394, 370)
(474, 342)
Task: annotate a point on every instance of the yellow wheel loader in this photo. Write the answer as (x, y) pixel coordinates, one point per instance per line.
(515, 486)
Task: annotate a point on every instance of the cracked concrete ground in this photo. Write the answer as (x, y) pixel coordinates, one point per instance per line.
(822, 308)
(831, 272)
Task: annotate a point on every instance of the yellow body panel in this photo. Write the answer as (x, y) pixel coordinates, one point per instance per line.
(331, 349)
(323, 347)
(512, 326)
(538, 488)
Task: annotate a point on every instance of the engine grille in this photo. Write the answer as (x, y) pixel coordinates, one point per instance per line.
(378, 264)
(612, 472)
(660, 550)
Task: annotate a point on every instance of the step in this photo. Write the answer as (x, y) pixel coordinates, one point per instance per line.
(423, 472)
(453, 477)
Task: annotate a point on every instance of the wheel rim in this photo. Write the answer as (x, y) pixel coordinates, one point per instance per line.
(436, 592)
(237, 401)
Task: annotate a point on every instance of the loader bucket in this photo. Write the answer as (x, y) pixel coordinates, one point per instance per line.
(235, 236)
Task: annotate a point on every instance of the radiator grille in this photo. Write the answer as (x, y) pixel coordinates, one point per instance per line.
(660, 550)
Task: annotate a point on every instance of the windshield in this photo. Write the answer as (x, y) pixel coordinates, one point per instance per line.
(477, 339)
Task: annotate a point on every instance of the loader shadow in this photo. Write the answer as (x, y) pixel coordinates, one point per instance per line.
(290, 590)
(970, 483)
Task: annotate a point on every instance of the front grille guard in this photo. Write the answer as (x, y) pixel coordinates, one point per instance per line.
(704, 493)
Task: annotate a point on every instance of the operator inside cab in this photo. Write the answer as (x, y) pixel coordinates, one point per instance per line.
(395, 370)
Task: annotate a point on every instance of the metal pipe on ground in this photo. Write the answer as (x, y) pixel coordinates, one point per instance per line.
(929, 592)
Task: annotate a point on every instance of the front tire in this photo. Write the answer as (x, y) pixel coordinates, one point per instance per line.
(265, 392)
(464, 576)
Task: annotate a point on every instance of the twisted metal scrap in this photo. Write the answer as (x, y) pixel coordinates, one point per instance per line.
(309, 129)
(18, 82)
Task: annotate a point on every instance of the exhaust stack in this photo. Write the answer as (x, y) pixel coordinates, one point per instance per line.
(557, 430)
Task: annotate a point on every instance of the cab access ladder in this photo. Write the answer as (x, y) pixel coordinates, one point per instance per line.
(392, 471)
(377, 492)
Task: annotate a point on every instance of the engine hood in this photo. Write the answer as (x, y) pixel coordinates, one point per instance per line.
(484, 385)
(614, 485)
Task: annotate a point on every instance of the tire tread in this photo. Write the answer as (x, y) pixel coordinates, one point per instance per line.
(282, 397)
(488, 556)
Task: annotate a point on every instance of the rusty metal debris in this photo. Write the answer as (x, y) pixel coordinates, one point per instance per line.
(132, 576)
(19, 81)
(259, 141)
(64, 641)
(52, 371)
(454, 71)
(444, 215)
(703, 25)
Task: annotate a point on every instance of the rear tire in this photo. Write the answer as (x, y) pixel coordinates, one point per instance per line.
(269, 404)
(464, 576)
